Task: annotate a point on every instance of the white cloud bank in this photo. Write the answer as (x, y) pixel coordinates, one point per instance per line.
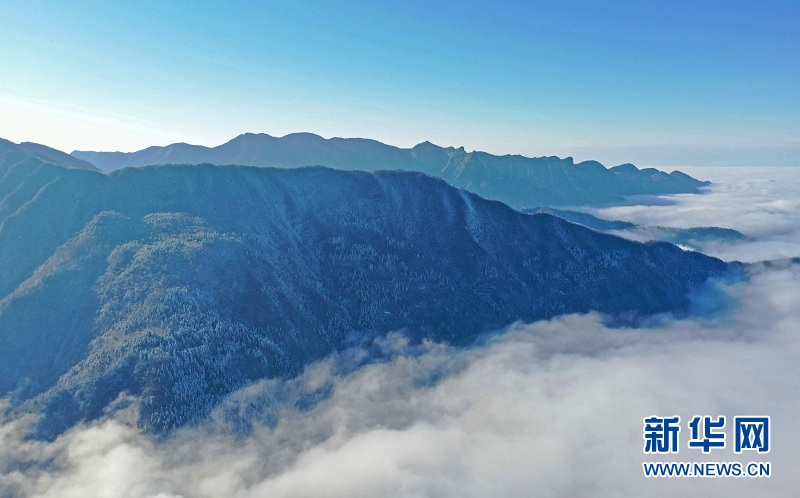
(548, 409)
(763, 203)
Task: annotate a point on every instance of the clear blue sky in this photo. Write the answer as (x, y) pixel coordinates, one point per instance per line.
(665, 83)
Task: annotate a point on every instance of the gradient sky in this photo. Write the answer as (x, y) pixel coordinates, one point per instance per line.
(667, 83)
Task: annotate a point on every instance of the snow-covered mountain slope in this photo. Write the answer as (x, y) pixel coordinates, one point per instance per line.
(181, 284)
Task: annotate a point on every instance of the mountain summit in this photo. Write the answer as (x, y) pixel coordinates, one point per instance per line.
(33, 155)
(516, 180)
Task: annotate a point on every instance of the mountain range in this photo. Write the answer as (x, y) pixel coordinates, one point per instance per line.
(178, 285)
(521, 182)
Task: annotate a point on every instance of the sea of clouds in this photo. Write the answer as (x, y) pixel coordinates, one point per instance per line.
(763, 203)
(552, 408)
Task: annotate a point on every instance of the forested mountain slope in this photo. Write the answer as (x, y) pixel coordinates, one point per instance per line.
(181, 284)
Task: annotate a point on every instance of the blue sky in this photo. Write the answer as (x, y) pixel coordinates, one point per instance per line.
(665, 83)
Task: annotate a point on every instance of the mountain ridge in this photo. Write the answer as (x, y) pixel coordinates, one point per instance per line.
(693, 237)
(181, 284)
(514, 179)
(33, 155)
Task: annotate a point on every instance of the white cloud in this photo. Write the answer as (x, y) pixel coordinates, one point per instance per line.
(760, 202)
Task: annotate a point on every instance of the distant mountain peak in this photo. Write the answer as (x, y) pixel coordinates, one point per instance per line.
(304, 134)
(627, 167)
(42, 154)
(425, 145)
